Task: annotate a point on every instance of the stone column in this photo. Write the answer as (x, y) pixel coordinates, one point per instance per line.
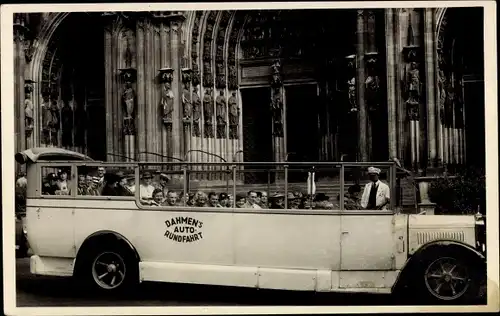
(141, 86)
(175, 61)
(29, 113)
(360, 81)
(187, 107)
(430, 84)
(391, 82)
(20, 33)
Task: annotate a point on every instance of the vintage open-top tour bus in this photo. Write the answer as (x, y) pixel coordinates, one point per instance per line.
(113, 225)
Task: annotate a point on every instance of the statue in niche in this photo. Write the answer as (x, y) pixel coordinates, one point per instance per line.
(232, 78)
(186, 105)
(28, 110)
(128, 101)
(51, 120)
(351, 90)
(234, 116)
(208, 112)
(413, 87)
(220, 103)
(167, 104)
(276, 73)
(372, 84)
(277, 110)
(449, 104)
(196, 102)
(67, 124)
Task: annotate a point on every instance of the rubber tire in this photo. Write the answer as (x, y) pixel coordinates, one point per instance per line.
(84, 270)
(476, 271)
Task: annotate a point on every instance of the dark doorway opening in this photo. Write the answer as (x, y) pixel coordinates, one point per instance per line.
(302, 126)
(257, 131)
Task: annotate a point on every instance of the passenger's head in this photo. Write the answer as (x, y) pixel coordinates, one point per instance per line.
(201, 198)
(240, 201)
(82, 179)
(354, 190)
(258, 198)
(147, 177)
(171, 198)
(230, 200)
(213, 199)
(223, 199)
(164, 179)
(51, 179)
(101, 171)
(252, 197)
(158, 195)
(263, 197)
(373, 173)
(63, 174)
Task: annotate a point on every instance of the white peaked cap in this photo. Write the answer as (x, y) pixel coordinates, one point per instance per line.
(374, 170)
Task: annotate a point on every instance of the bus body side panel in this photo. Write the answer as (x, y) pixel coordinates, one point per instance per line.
(50, 227)
(299, 241)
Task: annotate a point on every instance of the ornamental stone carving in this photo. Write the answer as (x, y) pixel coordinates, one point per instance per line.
(186, 95)
(220, 105)
(167, 97)
(276, 98)
(28, 107)
(208, 112)
(129, 101)
(372, 83)
(234, 116)
(196, 103)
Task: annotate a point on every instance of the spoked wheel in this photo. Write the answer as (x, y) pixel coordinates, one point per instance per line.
(109, 270)
(447, 279)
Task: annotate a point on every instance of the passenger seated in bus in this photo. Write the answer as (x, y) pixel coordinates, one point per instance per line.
(83, 187)
(277, 201)
(164, 180)
(376, 195)
(252, 200)
(157, 198)
(241, 201)
(322, 202)
(200, 199)
(100, 175)
(213, 200)
(352, 200)
(230, 200)
(307, 202)
(112, 186)
(293, 201)
(146, 188)
(63, 184)
(223, 199)
(50, 185)
(264, 203)
(130, 183)
(95, 186)
(171, 199)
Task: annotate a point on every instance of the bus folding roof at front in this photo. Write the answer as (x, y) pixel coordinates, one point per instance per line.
(33, 155)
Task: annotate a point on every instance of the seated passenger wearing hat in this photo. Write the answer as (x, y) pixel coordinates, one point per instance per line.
(146, 187)
(50, 185)
(113, 185)
(377, 194)
(63, 183)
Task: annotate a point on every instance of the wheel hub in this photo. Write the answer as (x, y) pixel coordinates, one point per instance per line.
(111, 267)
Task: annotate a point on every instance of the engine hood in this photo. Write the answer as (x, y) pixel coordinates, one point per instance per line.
(423, 229)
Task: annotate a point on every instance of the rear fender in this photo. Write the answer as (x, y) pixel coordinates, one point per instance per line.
(102, 237)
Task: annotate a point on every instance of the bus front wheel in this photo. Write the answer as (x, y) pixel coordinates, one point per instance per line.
(109, 269)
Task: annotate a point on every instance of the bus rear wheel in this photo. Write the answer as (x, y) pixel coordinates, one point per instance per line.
(109, 269)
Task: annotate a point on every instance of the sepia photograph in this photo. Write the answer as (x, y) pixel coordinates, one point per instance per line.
(244, 155)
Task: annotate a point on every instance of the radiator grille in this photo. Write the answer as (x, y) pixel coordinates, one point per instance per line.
(425, 237)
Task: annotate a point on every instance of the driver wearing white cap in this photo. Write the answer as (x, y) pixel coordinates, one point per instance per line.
(377, 194)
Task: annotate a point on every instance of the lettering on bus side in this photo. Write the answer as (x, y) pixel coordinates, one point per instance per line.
(183, 229)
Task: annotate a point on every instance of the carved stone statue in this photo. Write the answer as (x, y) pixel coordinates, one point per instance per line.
(372, 84)
(234, 116)
(128, 101)
(196, 102)
(208, 112)
(351, 90)
(186, 105)
(167, 103)
(414, 80)
(28, 110)
(220, 105)
(276, 73)
(51, 120)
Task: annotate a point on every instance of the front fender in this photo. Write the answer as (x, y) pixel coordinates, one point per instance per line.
(415, 259)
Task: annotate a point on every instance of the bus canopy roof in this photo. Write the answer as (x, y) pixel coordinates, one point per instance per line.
(33, 155)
